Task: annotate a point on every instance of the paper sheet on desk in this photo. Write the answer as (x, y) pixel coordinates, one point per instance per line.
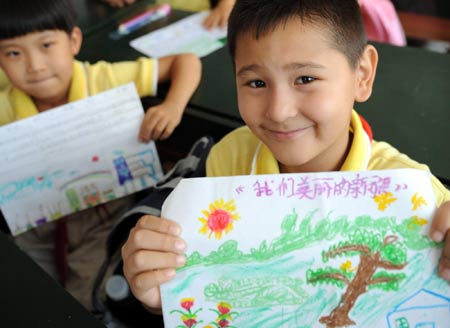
(329, 249)
(73, 157)
(185, 35)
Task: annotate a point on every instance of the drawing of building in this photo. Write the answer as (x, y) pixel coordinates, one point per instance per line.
(423, 309)
(136, 166)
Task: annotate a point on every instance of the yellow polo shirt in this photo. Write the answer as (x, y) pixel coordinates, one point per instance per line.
(241, 153)
(87, 80)
(3, 80)
(191, 5)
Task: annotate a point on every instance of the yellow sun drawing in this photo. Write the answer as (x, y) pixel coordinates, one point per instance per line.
(384, 200)
(219, 218)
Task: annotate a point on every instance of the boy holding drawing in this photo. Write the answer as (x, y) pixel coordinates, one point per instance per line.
(300, 66)
(38, 42)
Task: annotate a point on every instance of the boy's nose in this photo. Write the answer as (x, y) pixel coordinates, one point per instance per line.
(35, 63)
(281, 105)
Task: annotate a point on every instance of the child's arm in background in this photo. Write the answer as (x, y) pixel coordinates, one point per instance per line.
(184, 72)
(440, 231)
(219, 15)
(150, 255)
(119, 3)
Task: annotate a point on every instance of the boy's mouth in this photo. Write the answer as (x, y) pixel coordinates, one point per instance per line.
(39, 80)
(287, 134)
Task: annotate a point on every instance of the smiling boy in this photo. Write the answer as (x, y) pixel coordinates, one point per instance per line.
(300, 65)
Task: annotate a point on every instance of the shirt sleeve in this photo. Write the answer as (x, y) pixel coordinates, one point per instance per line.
(143, 72)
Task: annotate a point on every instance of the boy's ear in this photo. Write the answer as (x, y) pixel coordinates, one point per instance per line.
(76, 38)
(366, 70)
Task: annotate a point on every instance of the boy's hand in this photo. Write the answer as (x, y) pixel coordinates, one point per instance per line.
(150, 255)
(159, 122)
(219, 15)
(119, 3)
(440, 232)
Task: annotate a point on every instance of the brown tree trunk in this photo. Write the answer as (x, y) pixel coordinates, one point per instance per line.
(339, 317)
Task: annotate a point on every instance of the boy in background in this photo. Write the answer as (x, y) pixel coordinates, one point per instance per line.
(217, 18)
(300, 66)
(38, 42)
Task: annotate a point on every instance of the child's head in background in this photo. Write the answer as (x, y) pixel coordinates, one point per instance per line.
(300, 66)
(38, 42)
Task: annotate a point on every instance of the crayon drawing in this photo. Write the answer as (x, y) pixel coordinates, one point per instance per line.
(219, 218)
(74, 157)
(333, 249)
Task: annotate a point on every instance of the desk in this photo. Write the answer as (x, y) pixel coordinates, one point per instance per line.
(31, 298)
(93, 15)
(409, 107)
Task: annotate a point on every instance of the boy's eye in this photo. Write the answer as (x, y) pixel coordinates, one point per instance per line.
(47, 44)
(257, 84)
(305, 79)
(12, 53)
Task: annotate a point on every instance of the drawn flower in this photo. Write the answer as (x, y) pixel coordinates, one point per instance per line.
(189, 322)
(418, 201)
(384, 200)
(187, 303)
(416, 222)
(224, 308)
(189, 318)
(347, 266)
(224, 315)
(219, 218)
(223, 323)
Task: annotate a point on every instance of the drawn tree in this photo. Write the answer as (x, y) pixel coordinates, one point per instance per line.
(378, 253)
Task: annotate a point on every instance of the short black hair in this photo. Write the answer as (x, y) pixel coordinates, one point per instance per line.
(20, 17)
(342, 18)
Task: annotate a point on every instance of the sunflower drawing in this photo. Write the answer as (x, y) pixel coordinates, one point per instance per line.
(219, 218)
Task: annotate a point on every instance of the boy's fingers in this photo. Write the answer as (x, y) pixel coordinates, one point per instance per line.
(148, 124)
(444, 265)
(223, 22)
(168, 130)
(151, 240)
(150, 279)
(145, 286)
(159, 129)
(210, 21)
(142, 261)
(441, 223)
(159, 224)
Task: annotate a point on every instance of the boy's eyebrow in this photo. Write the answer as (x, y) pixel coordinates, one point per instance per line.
(295, 66)
(287, 67)
(12, 43)
(4, 46)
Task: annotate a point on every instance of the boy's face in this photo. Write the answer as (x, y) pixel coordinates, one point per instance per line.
(296, 93)
(41, 63)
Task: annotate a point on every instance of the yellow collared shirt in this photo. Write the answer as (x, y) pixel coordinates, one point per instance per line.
(241, 153)
(87, 80)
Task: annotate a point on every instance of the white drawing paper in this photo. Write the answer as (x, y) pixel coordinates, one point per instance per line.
(74, 157)
(333, 249)
(185, 35)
